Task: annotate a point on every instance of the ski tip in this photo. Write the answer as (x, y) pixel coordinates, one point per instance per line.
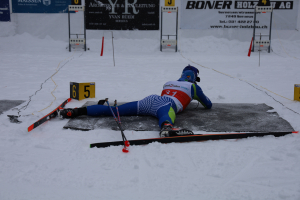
(125, 150)
(295, 132)
(69, 99)
(30, 128)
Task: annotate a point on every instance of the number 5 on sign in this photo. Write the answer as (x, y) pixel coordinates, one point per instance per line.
(81, 91)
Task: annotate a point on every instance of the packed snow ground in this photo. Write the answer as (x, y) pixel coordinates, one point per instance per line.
(52, 163)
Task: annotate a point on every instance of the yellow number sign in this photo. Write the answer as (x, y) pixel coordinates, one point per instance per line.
(81, 91)
(169, 2)
(76, 2)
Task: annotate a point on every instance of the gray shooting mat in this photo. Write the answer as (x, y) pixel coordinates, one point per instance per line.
(6, 105)
(223, 117)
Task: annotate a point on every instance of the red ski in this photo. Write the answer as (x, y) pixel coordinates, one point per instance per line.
(49, 116)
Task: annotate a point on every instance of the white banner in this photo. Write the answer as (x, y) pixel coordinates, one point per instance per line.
(237, 14)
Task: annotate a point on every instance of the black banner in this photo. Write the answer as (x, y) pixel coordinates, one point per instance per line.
(122, 14)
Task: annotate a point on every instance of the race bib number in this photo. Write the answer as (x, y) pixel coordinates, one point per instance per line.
(181, 96)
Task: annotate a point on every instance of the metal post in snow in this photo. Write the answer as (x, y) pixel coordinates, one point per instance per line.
(259, 50)
(112, 40)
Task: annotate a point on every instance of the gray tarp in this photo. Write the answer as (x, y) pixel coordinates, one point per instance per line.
(223, 117)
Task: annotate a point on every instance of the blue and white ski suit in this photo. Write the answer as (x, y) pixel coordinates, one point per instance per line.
(175, 97)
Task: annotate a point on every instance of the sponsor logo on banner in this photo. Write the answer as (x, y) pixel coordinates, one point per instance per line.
(237, 4)
(277, 5)
(122, 14)
(46, 2)
(40, 6)
(237, 14)
(208, 4)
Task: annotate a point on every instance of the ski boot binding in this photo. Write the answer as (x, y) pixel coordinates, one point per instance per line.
(168, 131)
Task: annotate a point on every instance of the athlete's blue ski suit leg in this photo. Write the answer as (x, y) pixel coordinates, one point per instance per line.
(163, 108)
(127, 109)
(166, 114)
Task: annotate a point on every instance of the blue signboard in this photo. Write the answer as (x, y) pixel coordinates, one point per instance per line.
(40, 6)
(4, 11)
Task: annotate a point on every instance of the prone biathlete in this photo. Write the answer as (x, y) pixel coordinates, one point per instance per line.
(175, 97)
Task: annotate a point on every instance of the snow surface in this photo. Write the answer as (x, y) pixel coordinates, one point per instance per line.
(52, 163)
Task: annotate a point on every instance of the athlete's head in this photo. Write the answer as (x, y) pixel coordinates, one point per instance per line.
(190, 74)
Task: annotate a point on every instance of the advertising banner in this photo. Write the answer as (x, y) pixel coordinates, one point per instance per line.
(4, 11)
(122, 14)
(237, 14)
(40, 6)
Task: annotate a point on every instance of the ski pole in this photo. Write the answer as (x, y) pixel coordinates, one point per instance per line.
(125, 141)
(127, 144)
(123, 135)
(117, 111)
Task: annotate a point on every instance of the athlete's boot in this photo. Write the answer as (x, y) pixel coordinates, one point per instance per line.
(167, 130)
(68, 113)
